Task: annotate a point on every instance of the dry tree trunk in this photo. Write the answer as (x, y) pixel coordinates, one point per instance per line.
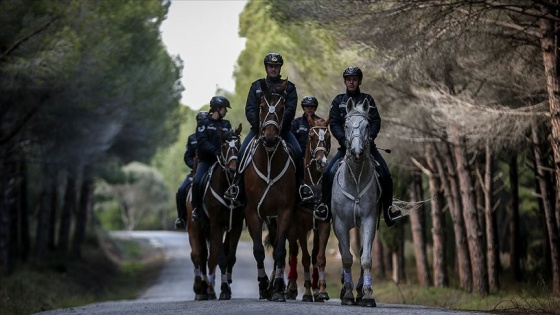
(417, 225)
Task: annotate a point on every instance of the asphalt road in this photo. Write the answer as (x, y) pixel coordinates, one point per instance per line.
(173, 294)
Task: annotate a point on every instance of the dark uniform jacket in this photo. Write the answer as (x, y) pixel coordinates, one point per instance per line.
(300, 129)
(338, 113)
(208, 138)
(190, 153)
(254, 100)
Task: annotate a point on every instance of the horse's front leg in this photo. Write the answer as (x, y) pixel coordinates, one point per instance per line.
(306, 262)
(216, 248)
(342, 234)
(229, 258)
(283, 223)
(254, 225)
(322, 234)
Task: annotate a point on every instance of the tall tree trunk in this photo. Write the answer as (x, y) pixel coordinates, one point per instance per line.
(438, 221)
(550, 50)
(491, 239)
(417, 224)
(51, 236)
(451, 191)
(84, 208)
(25, 241)
(514, 243)
(68, 209)
(8, 186)
(546, 204)
(474, 234)
(43, 220)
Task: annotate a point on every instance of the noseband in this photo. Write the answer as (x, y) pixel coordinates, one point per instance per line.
(271, 117)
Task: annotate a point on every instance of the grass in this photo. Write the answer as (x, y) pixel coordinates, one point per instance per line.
(116, 270)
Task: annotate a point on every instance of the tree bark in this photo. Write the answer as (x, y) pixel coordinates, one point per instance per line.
(68, 209)
(514, 243)
(41, 235)
(84, 208)
(491, 239)
(474, 234)
(378, 262)
(549, 217)
(417, 224)
(451, 191)
(438, 223)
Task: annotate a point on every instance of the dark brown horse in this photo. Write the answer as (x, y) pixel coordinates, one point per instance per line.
(222, 219)
(270, 187)
(316, 153)
(225, 223)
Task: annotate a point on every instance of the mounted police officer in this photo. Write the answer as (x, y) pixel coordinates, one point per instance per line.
(352, 80)
(209, 146)
(300, 125)
(181, 195)
(273, 64)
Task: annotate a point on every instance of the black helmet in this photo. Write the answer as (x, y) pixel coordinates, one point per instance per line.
(218, 102)
(273, 59)
(309, 101)
(353, 71)
(200, 116)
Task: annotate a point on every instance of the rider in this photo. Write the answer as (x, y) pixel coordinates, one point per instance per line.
(209, 145)
(300, 125)
(181, 194)
(273, 64)
(352, 80)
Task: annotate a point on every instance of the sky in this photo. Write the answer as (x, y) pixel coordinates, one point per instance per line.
(205, 35)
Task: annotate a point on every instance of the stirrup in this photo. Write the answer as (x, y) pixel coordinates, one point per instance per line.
(321, 212)
(232, 192)
(180, 224)
(305, 192)
(394, 216)
(195, 215)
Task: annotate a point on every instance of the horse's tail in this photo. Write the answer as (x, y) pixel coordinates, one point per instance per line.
(271, 237)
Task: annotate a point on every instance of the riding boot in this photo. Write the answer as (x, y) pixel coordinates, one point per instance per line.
(180, 223)
(390, 213)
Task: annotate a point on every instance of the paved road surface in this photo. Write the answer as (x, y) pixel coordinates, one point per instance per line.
(172, 293)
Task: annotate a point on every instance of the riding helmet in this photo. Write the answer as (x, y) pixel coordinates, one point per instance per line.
(218, 102)
(309, 101)
(353, 71)
(273, 59)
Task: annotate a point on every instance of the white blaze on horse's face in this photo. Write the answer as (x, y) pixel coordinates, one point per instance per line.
(356, 129)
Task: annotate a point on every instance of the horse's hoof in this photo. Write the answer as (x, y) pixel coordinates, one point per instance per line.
(278, 297)
(307, 298)
(291, 294)
(225, 292)
(322, 297)
(201, 297)
(212, 296)
(347, 301)
(368, 303)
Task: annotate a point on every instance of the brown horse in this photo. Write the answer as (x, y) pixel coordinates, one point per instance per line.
(206, 257)
(270, 187)
(225, 223)
(316, 153)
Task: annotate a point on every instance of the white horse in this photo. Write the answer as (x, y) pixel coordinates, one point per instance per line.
(355, 195)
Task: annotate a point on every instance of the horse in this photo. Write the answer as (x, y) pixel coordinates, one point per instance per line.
(225, 223)
(355, 196)
(206, 246)
(270, 180)
(316, 153)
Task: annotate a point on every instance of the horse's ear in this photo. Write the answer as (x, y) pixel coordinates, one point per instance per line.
(238, 130)
(310, 120)
(350, 105)
(366, 105)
